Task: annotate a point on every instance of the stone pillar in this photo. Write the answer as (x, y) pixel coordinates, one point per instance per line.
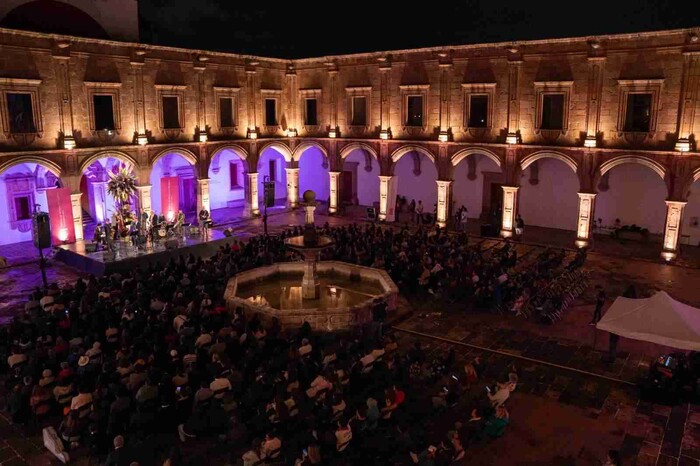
(200, 67)
(250, 100)
(384, 182)
(292, 187)
(310, 284)
(688, 99)
(510, 206)
(672, 230)
(445, 88)
(144, 194)
(137, 63)
(384, 100)
(333, 78)
(444, 196)
(586, 208)
(251, 196)
(62, 55)
(77, 216)
(596, 64)
(335, 191)
(203, 195)
(514, 62)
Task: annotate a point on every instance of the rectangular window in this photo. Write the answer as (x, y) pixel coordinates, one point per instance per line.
(311, 116)
(478, 111)
(104, 112)
(552, 111)
(414, 110)
(272, 170)
(226, 119)
(171, 113)
(638, 116)
(359, 111)
(23, 210)
(233, 175)
(19, 109)
(270, 112)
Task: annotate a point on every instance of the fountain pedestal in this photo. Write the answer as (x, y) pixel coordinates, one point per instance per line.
(310, 284)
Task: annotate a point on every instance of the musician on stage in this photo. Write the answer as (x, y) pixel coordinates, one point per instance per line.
(109, 238)
(155, 226)
(204, 222)
(98, 235)
(134, 233)
(180, 223)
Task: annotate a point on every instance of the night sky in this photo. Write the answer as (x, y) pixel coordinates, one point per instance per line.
(306, 29)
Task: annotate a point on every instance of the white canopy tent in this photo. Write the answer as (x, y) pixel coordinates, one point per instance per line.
(659, 319)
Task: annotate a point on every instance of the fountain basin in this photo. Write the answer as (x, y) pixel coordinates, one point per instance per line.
(346, 296)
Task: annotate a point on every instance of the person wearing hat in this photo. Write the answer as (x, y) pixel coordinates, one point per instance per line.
(82, 399)
(426, 458)
(95, 352)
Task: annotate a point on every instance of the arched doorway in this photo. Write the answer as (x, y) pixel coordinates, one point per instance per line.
(548, 194)
(477, 185)
(634, 194)
(272, 164)
(22, 187)
(313, 173)
(96, 202)
(168, 166)
(359, 179)
(227, 179)
(416, 176)
(691, 216)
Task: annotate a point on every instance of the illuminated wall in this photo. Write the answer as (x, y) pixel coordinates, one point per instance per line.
(21, 180)
(171, 165)
(470, 193)
(552, 202)
(636, 196)
(691, 215)
(226, 189)
(419, 187)
(367, 188)
(280, 177)
(313, 175)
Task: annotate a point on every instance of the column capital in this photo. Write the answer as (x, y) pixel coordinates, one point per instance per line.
(507, 188)
(584, 195)
(444, 182)
(386, 177)
(679, 204)
(143, 187)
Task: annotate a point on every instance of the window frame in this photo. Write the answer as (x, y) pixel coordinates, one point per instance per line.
(92, 89)
(309, 94)
(221, 92)
(366, 93)
(416, 90)
(276, 95)
(20, 86)
(478, 88)
(627, 115)
(238, 171)
(543, 88)
(638, 86)
(545, 96)
(177, 91)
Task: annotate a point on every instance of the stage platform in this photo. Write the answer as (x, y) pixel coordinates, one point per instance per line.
(127, 257)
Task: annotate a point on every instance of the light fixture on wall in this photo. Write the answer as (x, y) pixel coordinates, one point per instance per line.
(385, 134)
(512, 138)
(291, 133)
(142, 139)
(590, 142)
(252, 134)
(443, 136)
(202, 136)
(683, 145)
(68, 143)
(332, 133)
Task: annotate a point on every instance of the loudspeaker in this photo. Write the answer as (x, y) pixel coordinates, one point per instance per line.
(41, 230)
(269, 191)
(371, 213)
(170, 244)
(90, 247)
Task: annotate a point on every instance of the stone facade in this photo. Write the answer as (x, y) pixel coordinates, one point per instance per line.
(595, 76)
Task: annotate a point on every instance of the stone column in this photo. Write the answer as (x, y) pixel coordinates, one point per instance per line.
(444, 196)
(144, 194)
(384, 100)
(586, 208)
(292, 187)
(510, 206)
(688, 99)
(250, 100)
(200, 67)
(251, 196)
(333, 78)
(672, 230)
(596, 64)
(445, 88)
(77, 216)
(384, 182)
(203, 195)
(514, 62)
(137, 63)
(335, 191)
(62, 57)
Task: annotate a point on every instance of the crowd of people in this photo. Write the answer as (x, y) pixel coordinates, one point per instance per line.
(126, 364)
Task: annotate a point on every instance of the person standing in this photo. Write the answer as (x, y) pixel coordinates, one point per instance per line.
(599, 302)
(519, 225)
(97, 236)
(463, 217)
(419, 213)
(412, 210)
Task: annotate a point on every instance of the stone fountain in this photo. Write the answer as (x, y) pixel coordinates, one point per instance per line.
(329, 295)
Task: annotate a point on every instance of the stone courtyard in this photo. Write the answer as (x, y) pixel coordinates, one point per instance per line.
(570, 406)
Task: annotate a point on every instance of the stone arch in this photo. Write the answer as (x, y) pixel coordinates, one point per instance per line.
(124, 157)
(301, 148)
(346, 150)
(696, 175)
(464, 153)
(530, 159)
(281, 148)
(47, 164)
(653, 165)
(184, 153)
(236, 149)
(403, 150)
